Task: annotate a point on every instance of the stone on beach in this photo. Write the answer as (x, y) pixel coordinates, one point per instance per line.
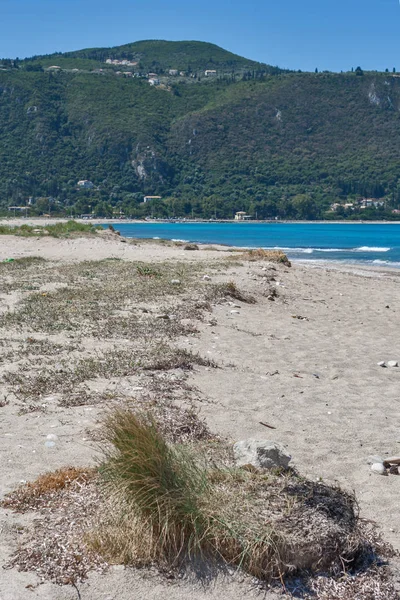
(381, 363)
(379, 469)
(262, 454)
(393, 363)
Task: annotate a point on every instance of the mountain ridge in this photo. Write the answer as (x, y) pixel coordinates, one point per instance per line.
(261, 139)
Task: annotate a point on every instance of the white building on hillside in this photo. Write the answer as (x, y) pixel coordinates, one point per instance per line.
(86, 184)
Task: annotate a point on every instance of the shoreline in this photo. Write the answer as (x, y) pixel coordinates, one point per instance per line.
(17, 221)
(345, 265)
(68, 250)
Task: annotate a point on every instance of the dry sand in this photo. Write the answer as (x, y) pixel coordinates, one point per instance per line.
(314, 379)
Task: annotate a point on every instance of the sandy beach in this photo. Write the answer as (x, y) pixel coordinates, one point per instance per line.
(303, 359)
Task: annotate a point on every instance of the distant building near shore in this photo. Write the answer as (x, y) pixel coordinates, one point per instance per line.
(369, 202)
(173, 72)
(86, 184)
(242, 216)
(210, 72)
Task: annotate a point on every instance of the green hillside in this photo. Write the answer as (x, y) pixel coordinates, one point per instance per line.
(248, 137)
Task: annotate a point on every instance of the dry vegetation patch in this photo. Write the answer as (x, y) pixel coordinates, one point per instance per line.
(42, 491)
(274, 256)
(218, 292)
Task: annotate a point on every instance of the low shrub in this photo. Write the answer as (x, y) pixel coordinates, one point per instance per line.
(275, 256)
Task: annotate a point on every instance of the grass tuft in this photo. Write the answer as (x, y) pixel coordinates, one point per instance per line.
(229, 289)
(159, 486)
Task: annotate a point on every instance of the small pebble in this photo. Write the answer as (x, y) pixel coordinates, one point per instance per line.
(175, 281)
(235, 312)
(206, 278)
(381, 363)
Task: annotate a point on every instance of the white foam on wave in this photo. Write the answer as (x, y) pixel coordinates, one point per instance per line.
(311, 250)
(287, 249)
(385, 263)
(372, 249)
(332, 250)
(183, 241)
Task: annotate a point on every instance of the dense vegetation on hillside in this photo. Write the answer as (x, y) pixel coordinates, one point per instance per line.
(251, 137)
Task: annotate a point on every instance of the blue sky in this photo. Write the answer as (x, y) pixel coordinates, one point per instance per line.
(288, 33)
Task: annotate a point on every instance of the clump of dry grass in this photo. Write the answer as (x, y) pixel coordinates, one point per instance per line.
(166, 507)
(275, 256)
(159, 486)
(34, 495)
(229, 289)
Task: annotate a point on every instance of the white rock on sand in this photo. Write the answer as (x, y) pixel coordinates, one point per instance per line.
(261, 454)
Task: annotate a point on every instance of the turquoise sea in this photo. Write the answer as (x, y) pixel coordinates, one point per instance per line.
(368, 243)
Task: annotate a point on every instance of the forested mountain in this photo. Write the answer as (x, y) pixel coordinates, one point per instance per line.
(208, 131)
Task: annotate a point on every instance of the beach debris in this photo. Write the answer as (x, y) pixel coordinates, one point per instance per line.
(393, 363)
(206, 278)
(163, 316)
(235, 312)
(379, 469)
(315, 375)
(262, 454)
(381, 363)
(386, 466)
(175, 281)
(266, 425)
(300, 318)
(51, 440)
(392, 460)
